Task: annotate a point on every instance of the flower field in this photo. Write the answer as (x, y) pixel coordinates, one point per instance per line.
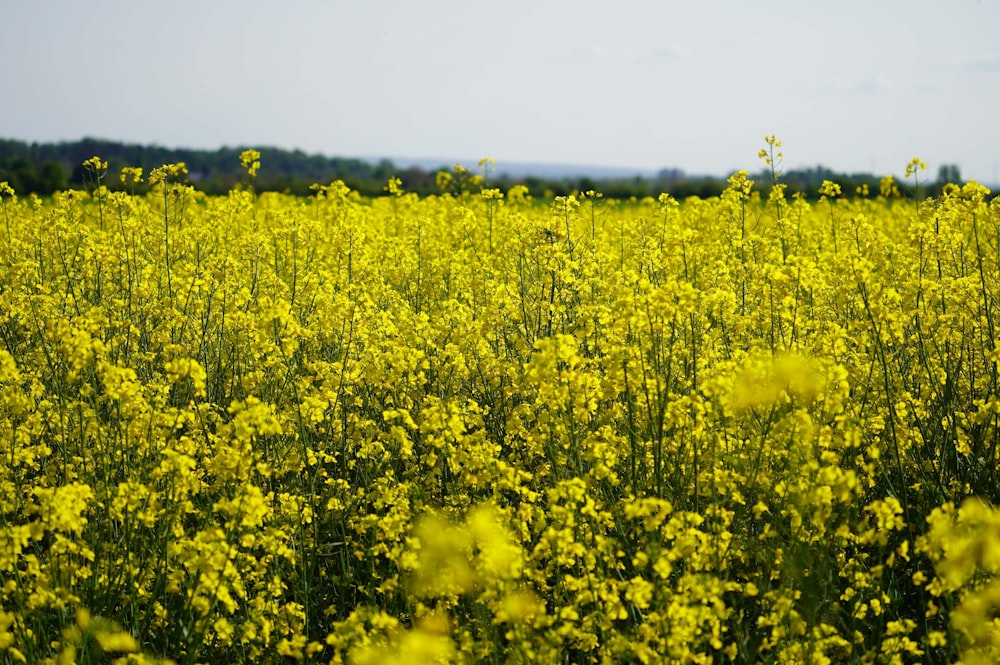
(482, 428)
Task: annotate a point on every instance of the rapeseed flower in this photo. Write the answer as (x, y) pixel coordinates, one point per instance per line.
(479, 427)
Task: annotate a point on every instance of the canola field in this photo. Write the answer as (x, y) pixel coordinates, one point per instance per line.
(482, 428)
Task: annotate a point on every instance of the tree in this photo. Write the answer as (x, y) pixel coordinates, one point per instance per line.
(948, 173)
(52, 179)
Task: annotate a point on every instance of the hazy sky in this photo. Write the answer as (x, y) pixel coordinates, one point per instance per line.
(855, 85)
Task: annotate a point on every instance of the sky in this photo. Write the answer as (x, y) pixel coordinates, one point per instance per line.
(853, 85)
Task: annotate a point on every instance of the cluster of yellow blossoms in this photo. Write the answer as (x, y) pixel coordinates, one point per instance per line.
(478, 427)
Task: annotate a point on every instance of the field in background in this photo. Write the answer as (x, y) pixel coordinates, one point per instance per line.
(477, 427)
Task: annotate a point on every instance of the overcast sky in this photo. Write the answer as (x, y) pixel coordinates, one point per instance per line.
(855, 85)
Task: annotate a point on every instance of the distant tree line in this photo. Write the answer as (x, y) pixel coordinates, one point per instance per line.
(44, 168)
(213, 171)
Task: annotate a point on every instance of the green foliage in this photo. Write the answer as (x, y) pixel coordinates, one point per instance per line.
(43, 168)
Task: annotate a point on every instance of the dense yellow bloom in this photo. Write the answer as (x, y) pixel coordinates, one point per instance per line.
(477, 427)
(62, 508)
(187, 367)
(764, 381)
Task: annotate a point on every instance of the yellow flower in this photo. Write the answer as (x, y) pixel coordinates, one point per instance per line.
(639, 592)
(63, 508)
(394, 186)
(162, 174)
(915, 165)
(250, 160)
(829, 189)
(131, 175)
(96, 166)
